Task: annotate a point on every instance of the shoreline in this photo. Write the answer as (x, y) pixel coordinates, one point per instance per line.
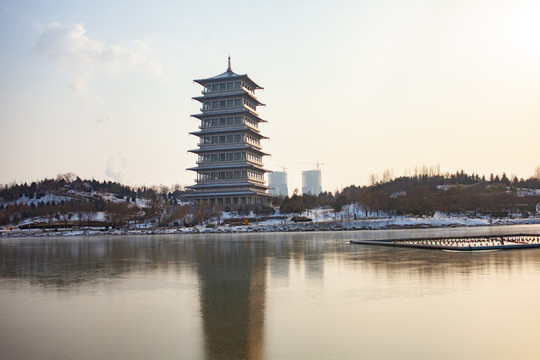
(355, 225)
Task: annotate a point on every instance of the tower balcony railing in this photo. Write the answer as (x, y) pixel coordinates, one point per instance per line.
(209, 146)
(252, 92)
(241, 107)
(230, 162)
(220, 181)
(224, 144)
(228, 126)
(221, 162)
(225, 91)
(258, 181)
(230, 181)
(256, 146)
(221, 108)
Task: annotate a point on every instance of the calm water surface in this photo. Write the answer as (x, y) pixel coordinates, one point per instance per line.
(266, 296)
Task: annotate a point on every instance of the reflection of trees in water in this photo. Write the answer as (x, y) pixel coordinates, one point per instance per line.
(233, 270)
(65, 261)
(74, 261)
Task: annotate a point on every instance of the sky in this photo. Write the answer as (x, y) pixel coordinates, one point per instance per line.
(104, 89)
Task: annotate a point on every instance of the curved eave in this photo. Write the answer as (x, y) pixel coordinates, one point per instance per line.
(212, 131)
(227, 131)
(227, 166)
(238, 184)
(212, 112)
(223, 97)
(241, 111)
(200, 190)
(227, 193)
(221, 185)
(217, 149)
(228, 75)
(228, 95)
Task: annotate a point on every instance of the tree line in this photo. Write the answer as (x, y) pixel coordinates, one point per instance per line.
(427, 192)
(71, 200)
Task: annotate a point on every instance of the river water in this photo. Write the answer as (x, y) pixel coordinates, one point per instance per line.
(266, 296)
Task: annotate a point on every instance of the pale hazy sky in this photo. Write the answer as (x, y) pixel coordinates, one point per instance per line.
(103, 88)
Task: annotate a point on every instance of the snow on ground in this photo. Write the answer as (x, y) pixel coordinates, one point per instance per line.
(280, 225)
(45, 199)
(71, 194)
(528, 192)
(323, 219)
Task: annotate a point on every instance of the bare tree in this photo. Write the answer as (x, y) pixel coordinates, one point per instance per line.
(122, 212)
(218, 213)
(373, 179)
(179, 212)
(157, 209)
(387, 176)
(89, 217)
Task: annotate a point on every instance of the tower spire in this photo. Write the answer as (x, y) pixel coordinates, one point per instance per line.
(229, 67)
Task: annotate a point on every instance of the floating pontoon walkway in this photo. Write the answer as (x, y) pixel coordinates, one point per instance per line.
(462, 243)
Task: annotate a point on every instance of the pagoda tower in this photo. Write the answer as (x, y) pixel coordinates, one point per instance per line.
(229, 167)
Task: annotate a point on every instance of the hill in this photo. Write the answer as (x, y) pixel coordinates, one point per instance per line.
(69, 201)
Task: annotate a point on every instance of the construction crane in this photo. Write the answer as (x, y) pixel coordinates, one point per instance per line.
(317, 163)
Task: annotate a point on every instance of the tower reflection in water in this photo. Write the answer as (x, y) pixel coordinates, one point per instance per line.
(232, 279)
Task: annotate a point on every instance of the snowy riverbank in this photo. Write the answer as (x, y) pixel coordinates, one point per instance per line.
(318, 224)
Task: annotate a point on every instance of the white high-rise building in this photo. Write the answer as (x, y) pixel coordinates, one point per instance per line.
(311, 182)
(277, 181)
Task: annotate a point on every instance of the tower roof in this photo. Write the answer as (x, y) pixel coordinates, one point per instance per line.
(228, 75)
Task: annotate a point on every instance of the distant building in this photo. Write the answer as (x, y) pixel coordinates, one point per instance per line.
(311, 182)
(229, 166)
(278, 183)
